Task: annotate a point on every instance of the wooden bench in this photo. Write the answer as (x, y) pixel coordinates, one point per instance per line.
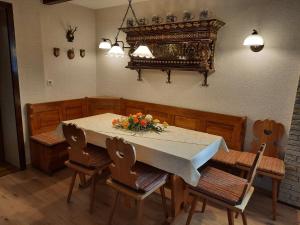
(48, 152)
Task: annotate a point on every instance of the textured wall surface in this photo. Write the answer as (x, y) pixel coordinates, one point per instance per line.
(257, 85)
(290, 187)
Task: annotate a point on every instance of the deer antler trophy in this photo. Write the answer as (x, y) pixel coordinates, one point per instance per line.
(70, 33)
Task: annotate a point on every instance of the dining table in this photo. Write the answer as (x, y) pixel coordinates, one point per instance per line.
(178, 151)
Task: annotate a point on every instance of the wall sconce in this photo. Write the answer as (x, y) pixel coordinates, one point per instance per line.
(255, 41)
(56, 52)
(105, 44)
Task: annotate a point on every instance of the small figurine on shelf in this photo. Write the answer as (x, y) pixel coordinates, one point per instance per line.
(142, 21)
(171, 18)
(187, 16)
(130, 22)
(156, 20)
(203, 15)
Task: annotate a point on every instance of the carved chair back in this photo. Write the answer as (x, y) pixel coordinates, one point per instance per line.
(76, 138)
(123, 158)
(269, 132)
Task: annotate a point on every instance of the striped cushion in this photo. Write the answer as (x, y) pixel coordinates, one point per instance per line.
(229, 158)
(268, 164)
(221, 185)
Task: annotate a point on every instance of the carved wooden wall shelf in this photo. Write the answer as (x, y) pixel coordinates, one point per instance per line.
(188, 46)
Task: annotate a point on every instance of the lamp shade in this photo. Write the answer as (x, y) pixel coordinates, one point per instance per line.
(143, 52)
(254, 40)
(116, 51)
(104, 44)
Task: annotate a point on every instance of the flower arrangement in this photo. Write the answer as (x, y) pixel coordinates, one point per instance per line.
(139, 122)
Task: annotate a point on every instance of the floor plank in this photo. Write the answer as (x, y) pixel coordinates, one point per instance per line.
(32, 198)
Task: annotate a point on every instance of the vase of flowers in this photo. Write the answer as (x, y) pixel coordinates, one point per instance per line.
(139, 122)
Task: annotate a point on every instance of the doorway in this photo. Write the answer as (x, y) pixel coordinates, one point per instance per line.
(12, 149)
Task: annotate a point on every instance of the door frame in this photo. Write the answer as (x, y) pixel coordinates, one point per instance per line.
(15, 81)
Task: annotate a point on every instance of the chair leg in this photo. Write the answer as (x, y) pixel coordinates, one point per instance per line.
(82, 180)
(164, 202)
(274, 197)
(114, 208)
(230, 217)
(192, 210)
(71, 186)
(203, 205)
(140, 212)
(244, 218)
(92, 194)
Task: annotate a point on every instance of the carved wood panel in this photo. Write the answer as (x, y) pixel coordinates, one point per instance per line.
(186, 46)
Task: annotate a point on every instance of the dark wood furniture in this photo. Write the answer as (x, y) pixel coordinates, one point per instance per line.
(266, 131)
(84, 160)
(225, 189)
(132, 178)
(188, 46)
(45, 117)
(52, 2)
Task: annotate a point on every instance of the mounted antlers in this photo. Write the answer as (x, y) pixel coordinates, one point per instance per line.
(70, 33)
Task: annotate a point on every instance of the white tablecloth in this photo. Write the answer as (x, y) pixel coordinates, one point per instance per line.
(176, 150)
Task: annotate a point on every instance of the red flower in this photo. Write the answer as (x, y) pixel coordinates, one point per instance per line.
(135, 119)
(143, 123)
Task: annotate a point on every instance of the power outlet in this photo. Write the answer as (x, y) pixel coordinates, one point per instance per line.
(49, 83)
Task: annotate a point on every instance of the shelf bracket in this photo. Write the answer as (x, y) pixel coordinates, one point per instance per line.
(168, 76)
(204, 83)
(139, 71)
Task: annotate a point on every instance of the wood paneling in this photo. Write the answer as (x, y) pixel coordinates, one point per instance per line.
(99, 105)
(232, 128)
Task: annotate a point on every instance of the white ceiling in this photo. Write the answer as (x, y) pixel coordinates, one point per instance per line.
(99, 4)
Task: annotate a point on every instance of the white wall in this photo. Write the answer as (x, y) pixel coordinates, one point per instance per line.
(38, 29)
(256, 85)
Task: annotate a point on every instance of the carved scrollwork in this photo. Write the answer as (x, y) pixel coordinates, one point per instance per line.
(184, 45)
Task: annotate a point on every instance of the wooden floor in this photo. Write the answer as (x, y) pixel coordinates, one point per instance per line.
(6, 168)
(32, 198)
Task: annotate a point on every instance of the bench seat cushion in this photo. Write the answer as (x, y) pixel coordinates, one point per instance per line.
(48, 138)
(221, 185)
(268, 164)
(229, 158)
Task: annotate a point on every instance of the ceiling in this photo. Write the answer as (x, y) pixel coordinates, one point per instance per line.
(100, 4)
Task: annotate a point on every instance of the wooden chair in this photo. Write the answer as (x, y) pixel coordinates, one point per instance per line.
(266, 131)
(131, 178)
(269, 132)
(84, 159)
(225, 189)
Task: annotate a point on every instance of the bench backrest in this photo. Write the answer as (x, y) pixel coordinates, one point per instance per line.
(45, 117)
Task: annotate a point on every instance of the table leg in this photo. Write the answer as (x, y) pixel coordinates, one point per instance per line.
(178, 195)
(274, 197)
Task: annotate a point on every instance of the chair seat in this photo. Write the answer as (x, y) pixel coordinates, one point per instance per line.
(229, 158)
(268, 164)
(221, 185)
(98, 157)
(48, 138)
(148, 176)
